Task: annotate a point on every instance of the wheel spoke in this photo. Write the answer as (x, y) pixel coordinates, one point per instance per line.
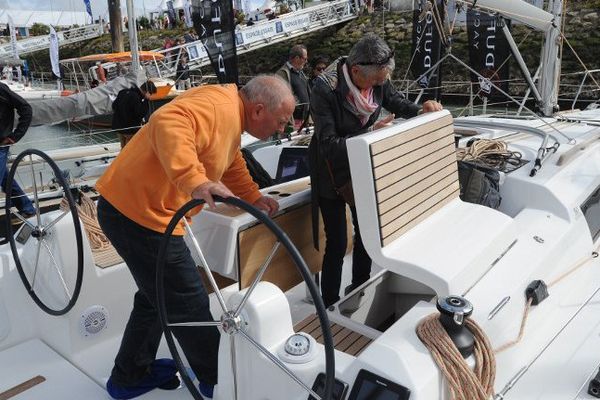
(37, 261)
(207, 270)
(279, 364)
(55, 220)
(259, 276)
(58, 271)
(233, 365)
(35, 193)
(195, 324)
(22, 218)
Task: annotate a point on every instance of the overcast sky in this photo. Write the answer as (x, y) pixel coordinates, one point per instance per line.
(98, 6)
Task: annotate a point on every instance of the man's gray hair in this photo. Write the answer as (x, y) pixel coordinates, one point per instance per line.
(270, 90)
(370, 54)
(297, 51)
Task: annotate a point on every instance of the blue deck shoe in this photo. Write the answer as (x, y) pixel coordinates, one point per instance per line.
(163, 375)
(206, 390)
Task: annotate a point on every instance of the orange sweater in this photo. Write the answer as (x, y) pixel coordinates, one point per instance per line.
(193, 139)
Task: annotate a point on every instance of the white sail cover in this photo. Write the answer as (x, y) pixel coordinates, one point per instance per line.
(97, 101)
(187, 13)
(516, 10)
(54, 52)
(13, 37)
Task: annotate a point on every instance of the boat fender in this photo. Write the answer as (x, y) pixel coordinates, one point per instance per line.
(453, 312)
(594, 387)
(537, 291)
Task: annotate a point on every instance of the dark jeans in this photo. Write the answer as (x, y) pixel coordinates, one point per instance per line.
(334, 221)
(18, 198)
(185, 297)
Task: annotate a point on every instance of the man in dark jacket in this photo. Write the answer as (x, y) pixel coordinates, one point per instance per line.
(130, 110)
(346, 101)
(183, 74)
(9, 102)
(292, 72)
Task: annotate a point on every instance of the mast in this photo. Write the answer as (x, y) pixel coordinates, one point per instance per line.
(133, 39)
(116, 27)
(550, 61)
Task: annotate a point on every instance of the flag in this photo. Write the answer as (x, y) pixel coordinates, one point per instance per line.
(427, 45)
(13, 38)
(187, 13)
(54, 52)
(88, 8)
(488, 52)
(215, 26)
(172, 16)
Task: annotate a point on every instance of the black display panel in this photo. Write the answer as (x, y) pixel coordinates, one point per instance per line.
(369, 386)
(293, 164)
(24, 234)
(339, 388)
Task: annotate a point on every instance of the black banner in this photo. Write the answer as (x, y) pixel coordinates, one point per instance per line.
(428, 20)
(214, 24)
(488, 53)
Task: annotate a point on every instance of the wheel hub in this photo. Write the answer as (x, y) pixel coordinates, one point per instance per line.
(38, 232)
(230, 323)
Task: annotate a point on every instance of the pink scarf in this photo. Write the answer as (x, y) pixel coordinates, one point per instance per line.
(362, 106)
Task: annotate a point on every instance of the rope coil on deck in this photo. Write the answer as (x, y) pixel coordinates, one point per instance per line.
(477, 384)
(492, 153)
(89, 217)
(463, 382)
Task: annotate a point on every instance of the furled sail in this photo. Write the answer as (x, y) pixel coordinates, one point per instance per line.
(215, 26)
(428, 20)
(97, 101)
(516, 10)
(488, 52)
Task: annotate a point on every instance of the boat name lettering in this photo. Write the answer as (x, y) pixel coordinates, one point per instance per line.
(490, 44)
(428, 39)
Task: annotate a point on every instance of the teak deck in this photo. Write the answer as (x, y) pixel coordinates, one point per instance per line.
(344, 339)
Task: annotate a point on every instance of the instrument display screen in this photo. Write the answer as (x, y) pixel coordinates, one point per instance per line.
(369, 386)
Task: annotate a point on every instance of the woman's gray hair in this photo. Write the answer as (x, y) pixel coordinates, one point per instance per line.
(270, 90)
(370, 54)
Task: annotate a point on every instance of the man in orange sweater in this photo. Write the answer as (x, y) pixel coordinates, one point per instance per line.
(190, 149)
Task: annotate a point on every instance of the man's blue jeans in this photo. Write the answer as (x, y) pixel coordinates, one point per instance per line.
(185, 298)
(19, 198)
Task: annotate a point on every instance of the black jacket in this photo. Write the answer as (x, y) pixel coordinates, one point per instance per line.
(334, 123)
(9, 102)
(130, 108)
(183, 72)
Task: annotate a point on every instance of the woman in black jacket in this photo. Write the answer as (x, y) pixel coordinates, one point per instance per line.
(346, 101)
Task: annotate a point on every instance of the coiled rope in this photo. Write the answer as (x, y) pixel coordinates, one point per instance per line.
(464, 383)
(477, 384)
(489, 152)
(89, 217)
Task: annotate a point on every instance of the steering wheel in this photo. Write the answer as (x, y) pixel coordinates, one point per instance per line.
(46, 276)
(231, 321)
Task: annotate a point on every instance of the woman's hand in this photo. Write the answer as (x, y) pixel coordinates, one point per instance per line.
(431, 106)
(382, 123)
